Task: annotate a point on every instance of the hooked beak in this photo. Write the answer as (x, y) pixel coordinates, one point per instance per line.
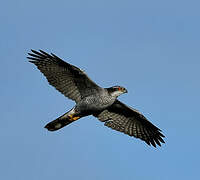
(125, 91)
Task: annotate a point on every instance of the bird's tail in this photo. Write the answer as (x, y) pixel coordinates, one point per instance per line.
(62, 121)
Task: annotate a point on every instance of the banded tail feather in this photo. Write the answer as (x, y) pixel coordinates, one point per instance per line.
(62, 121)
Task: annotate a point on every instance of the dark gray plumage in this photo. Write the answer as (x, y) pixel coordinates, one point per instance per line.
(92, 99)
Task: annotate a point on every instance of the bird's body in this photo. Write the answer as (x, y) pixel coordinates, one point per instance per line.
(96, 102)
(92, 99)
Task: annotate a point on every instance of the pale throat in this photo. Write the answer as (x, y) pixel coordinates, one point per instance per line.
(116, 93)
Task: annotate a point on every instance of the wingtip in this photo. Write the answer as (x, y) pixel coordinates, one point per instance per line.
(41, 51)
(34, 51)
(155, 142)
(32, 60)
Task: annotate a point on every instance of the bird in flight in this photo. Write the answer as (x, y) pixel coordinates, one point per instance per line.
(92, 99)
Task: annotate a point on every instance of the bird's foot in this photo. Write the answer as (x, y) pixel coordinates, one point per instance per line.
(73, 118)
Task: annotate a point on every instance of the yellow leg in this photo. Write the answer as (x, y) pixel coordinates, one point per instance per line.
(76, 118)
(72, 118)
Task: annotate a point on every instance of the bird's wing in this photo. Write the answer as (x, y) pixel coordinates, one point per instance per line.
(66, 78)
(129, 121)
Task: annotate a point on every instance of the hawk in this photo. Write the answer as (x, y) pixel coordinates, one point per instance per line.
(92, 99)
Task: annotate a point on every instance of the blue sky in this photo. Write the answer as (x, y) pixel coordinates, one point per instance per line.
(150, 47)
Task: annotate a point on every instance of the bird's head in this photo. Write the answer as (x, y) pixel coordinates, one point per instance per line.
(116, 90)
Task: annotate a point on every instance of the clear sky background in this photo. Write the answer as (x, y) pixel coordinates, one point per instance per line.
(150, 47)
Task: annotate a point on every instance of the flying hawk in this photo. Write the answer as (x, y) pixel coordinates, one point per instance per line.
(92, 99)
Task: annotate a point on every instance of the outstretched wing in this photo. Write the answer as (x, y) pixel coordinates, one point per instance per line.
(129, 121)
(66, 78)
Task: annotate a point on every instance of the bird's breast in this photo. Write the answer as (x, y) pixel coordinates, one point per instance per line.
(95, 103)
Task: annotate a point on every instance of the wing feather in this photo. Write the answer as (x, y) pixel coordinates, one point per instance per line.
(66, 78)
(130, 121)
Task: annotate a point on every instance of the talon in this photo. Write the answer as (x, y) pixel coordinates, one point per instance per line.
(72, 118)
(75, 118)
